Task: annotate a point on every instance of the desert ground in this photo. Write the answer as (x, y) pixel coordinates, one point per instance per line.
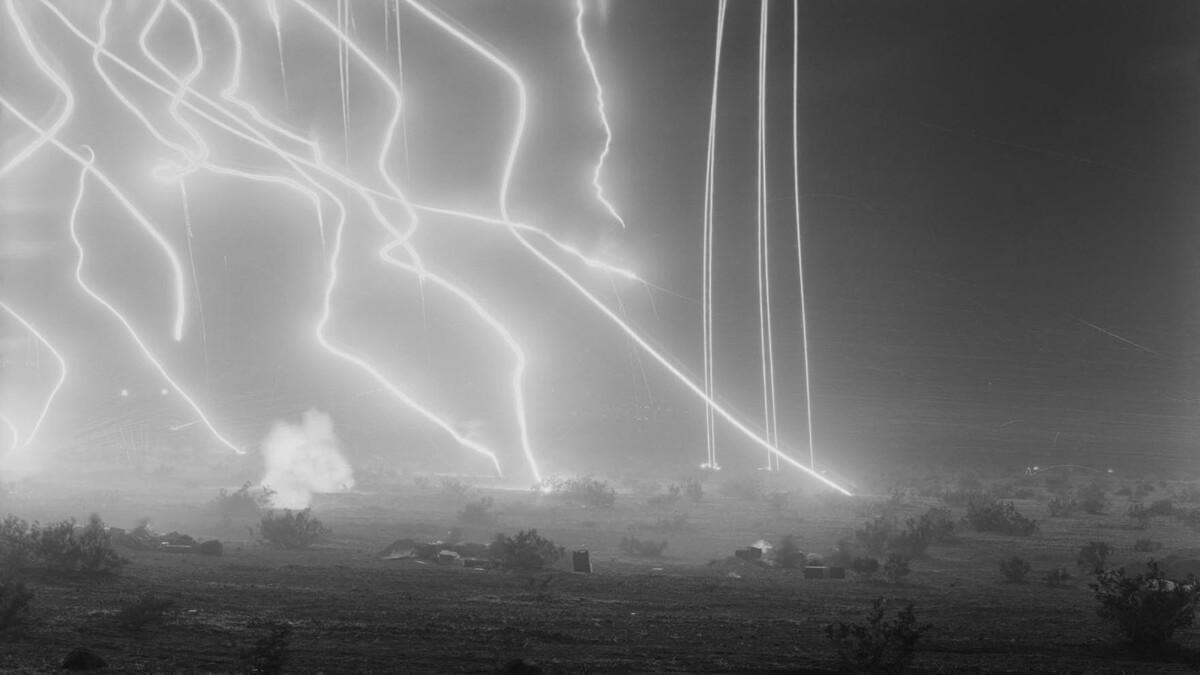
(695, 608)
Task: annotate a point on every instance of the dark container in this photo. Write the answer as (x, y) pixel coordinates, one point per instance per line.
(815, 572)
(581, 561)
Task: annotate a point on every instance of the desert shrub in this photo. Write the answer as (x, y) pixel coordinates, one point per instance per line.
(1189, 516)
(1188, 494)
(1146, 609)
(1059, 576)
(896, 568)
(1014, 569)
(693, 489)
(865, 567)
(877, 646)
(1003, 517)
(787, 554)
(244, 503)
(528, 550)
(1062, 507)
(479, 512)
(642, 548)
(745, 488)
(875, 534)
(585, 491)
(1124, 491)
(668, 498)
(16, 549)
(1058, 483)
(1139, 514)
(291, 529)
(211, 547)
(1161, 507)
(777, 500)
(1093, 498)
(61, 547)
(1146, 545)
(913, 539)
(269, 653)
(148, 608)
(938, 523)
(1092, 557)
(15, 600)
(676, 523)
(1143, 490)
(841, 556)
(453, 488)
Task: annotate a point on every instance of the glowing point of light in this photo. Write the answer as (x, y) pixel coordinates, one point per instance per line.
(600, 110)
(124, 393)
(62, 371)
(163, 392)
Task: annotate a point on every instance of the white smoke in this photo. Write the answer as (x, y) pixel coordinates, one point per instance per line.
(304, 459)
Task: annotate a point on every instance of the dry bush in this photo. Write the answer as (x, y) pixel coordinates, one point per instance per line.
(291, 529)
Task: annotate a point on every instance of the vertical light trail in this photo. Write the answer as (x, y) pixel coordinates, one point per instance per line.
(799, 245)
(510, 161)
(587, 56)
(343, 12)
(764, 250)
(62, 373)
(190, 234)
(52, 75)
(634, 355)
(707, 253)
(12, 433)
(73, 228)
(400, 86)
(273, 12)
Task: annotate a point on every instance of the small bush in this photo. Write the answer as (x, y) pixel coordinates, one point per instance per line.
(875, 534)
(15, 599)
(16, 548)
(896, 568)
(453, 488)
(1161, 507)
(586, 491)
(1014, 569)
(676, 523)
(291, 529)
(527, 551)
(1092, 557)
(1062, 507)
(1003, 517)
(211, 547)
(877, 646)
(269, 653)
(670, 497)
(1146, 545)
(961, 497)
(938, 524)
(1139, 514)
(1058, 576)
(693, 489)
(1188, 494)
(479, 513)
(787, 554)
(147, 609)
(864, 568)
(913, 539)
(642, 549)
(242, 504)
(745, 488)
(61, 548)
(1093, 498)
(1146, 609)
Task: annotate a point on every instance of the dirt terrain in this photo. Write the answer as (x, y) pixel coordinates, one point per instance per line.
(695, 609)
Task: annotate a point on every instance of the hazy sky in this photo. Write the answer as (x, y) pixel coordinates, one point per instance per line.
(998, 222)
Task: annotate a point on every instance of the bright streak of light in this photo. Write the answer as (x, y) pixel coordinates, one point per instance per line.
(770, 420)
(812, 464)
(273, 12)
(176, 266)
(13, 433)
(706, 264)
(514, 148)
(59, 83)
(400, 85)
(62, 372)
(193, 159)
(133, 334)
(600, 109)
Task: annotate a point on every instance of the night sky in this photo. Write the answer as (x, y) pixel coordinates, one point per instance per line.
(998, 204)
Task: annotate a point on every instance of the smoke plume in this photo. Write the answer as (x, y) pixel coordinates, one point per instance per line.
(303, 459)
